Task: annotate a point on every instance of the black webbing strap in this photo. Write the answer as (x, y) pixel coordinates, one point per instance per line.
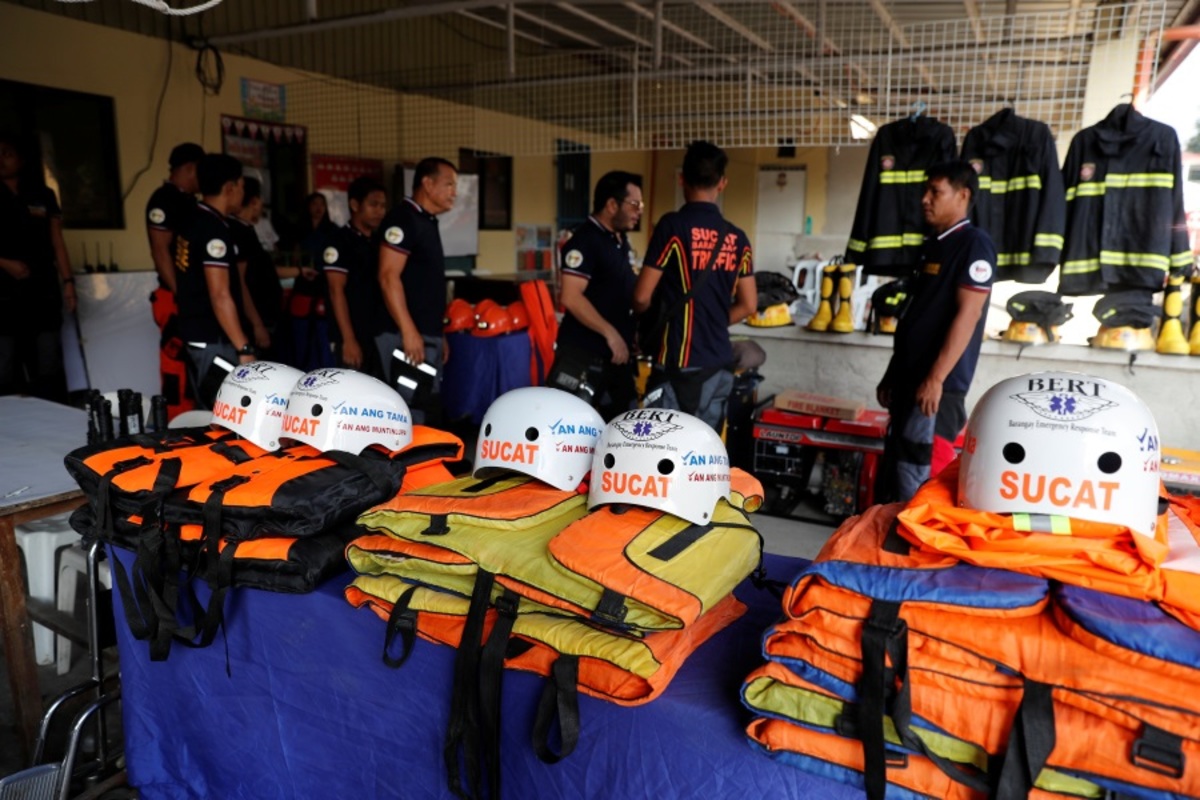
(893, 542)
(437, 525)
(488, 482)
(559, 701)
(380, 473)
(611, 608)
(491, 676)
(218, 564)
(461, 747)
(901, 714)
(884, 634)
(138, 594)
(402, 621)
(679, 542)
(1030, 742)
(233, 452)
(1159, 751)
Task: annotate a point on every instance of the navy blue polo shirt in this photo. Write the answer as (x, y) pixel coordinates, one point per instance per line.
(261, 278)
(33, 303)
(351, 252)
(413, 231)
(206, 242)
(683, 246)
(169, 209)
(602, 258)
(962, 256)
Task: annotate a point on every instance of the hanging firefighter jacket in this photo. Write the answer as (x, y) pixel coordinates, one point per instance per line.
(1126, 227)
(1021, 203)
(1092, 687)
(889, 228)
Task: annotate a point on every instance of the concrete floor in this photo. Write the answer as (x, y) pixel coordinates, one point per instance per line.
(781, 536)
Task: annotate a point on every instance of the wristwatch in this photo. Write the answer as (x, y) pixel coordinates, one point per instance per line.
(246, 350)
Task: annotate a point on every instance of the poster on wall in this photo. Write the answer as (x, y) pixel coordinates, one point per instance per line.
(265, 101)
(332, 176)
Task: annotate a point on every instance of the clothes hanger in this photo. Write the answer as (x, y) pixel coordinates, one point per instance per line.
(918, 109)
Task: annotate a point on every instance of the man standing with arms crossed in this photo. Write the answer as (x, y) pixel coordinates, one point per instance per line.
(703, 270)
(169, 208)
(412, 274)
(937, 340)
(596, 335)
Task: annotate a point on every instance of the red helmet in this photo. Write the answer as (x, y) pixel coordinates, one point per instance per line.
(483, 306)
(519, 314)
(494, 321)
(460, 316)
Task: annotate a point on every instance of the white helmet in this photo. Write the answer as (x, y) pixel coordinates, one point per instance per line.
(1062, 444)
(252, 399)
(661, 459)
(541, 432)
(340, 409)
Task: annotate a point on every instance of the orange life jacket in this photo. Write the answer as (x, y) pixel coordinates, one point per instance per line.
(978, 654)
(1103, 556)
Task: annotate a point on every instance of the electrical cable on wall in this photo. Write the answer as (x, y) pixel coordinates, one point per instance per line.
(210, 68)
(162, 94)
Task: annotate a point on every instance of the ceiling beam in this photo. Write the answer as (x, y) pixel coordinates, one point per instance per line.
(973, 15)
(735, 26)
(416, 11)
(500, 26)
(900, 38)
(667, 25)
(604, 24)
(559, 29)
(809, 27)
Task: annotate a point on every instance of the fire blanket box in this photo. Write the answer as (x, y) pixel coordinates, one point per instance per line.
(818, 461)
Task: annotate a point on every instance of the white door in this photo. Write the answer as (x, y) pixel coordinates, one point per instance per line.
(780, 217)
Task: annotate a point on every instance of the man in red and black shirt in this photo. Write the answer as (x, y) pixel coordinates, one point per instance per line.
(701, 268)
(938, 338)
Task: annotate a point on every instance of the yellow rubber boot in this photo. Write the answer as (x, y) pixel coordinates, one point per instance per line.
(1194, 341)
(1170, 336)
(824, 314)
(843, 322)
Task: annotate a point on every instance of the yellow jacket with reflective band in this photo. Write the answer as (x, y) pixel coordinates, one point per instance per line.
(625, 567)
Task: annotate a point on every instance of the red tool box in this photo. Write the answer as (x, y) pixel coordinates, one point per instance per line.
(834, 459)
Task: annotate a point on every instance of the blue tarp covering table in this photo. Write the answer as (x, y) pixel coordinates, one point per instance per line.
(480, 369)
(310, 711)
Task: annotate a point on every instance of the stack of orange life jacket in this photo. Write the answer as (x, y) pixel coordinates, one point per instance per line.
(208, 504)
(517, 574)
(911, 673)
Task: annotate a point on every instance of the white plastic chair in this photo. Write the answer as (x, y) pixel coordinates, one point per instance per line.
(40, 542)
(72, 567)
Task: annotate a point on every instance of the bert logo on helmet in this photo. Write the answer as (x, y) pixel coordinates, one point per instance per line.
(1059, 477)
(1063, 444)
